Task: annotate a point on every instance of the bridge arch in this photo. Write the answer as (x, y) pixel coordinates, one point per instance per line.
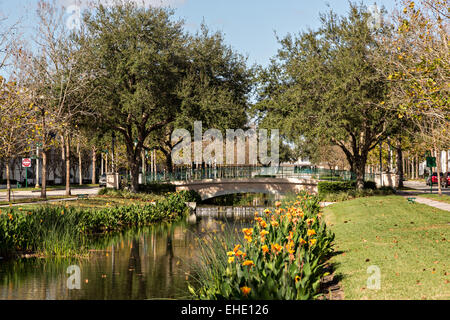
(210, 188)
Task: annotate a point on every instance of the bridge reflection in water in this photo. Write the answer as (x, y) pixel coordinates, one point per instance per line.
(228, 212)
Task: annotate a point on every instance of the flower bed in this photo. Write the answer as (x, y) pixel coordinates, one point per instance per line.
(281, 256)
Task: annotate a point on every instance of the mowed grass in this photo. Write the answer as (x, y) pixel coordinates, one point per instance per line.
(443, 198)
(96, 202)
(409, 243)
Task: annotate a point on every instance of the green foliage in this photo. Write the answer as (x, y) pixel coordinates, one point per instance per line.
(281, 256)
(62, 231)
(325, 187)
(157, 188)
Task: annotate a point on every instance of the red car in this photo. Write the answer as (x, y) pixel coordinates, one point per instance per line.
(445, 179)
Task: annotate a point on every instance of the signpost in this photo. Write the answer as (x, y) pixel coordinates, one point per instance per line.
(26, 163)
(431, 163)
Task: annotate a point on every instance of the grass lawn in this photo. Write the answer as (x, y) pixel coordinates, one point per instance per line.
(410, 243)
(31, 200)
(434, 196)
(50, 188)
(95, 202)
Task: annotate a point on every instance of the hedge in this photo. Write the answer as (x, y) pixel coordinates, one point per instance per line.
(325, 187)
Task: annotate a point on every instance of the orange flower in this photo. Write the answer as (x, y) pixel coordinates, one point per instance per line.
(297, 278)
(267, 211)
(276, 247)
(274, 223)
(10, 216)
(311, 232)
(312, 242)
(302, 241)
(240, 253)
(263, 224)
(236, 248)
(264, 233)
(245, 291)
(248, 238)
(248, 263)
(278, 204)
(265, 249)
(310, 221)
(247, 231)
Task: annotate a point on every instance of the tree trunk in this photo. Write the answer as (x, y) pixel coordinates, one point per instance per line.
(134, 168)
(417, 167)
(399, 164)
(80, 168)
(438, 169)
(360, 165)
(8, 183)
(94, 160)
(67, 165)
(44, 174)
(63, 157)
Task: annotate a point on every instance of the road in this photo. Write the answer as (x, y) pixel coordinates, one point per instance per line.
(421, 187)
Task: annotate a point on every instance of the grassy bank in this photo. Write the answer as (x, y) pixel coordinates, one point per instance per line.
(66, 230)
(409, 243)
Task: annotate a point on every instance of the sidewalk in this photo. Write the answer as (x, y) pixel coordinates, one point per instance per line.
(421, 188)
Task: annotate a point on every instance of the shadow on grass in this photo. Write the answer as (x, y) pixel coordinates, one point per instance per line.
(330, 286)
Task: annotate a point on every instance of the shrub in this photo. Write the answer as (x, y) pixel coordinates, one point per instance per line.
(61, 231)
(281, 256)
(157, 188)
(325, 187)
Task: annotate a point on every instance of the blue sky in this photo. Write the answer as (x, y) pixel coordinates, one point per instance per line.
(248, 25)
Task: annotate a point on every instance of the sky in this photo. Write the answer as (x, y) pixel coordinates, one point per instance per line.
(249, 26)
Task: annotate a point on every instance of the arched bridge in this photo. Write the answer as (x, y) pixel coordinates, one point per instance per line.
(209, 188)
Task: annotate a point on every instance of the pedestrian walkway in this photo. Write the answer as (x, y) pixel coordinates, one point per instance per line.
(435, 204)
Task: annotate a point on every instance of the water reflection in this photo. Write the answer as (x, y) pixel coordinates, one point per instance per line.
(152, 263)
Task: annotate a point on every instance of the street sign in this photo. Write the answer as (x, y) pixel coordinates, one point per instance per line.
(431, 162)
(26, 163)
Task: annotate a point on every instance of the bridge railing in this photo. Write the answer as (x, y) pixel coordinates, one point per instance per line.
(251, 172)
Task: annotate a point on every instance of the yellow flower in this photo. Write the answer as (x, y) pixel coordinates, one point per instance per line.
(276, 247)
(302, 241)
(236, 248)
(278, 204)
(297, 278)
(248, 238)
(248, 263)
(264, 232)
(265, 249)
(263, 224)
(245, 291)
(247, 231)
(274, 223)
(240, 253)
(230, 253)
(10, 216)
(62, 212)
(312, 242)
(310, 221)
(311, 232)
(230, 259)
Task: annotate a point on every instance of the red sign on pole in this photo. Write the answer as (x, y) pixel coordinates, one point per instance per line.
(26, 162)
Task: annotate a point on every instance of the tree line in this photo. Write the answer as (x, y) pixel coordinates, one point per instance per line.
(130, 75)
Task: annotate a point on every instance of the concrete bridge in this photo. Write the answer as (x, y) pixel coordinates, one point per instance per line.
(210, 188)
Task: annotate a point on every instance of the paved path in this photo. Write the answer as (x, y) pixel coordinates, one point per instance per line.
(422, 188)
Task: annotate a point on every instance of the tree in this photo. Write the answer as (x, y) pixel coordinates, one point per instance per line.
(18, 125)
(61, 87)
(323, 86)
(418, 69)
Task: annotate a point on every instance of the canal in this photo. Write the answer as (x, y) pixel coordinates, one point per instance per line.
(149, 263)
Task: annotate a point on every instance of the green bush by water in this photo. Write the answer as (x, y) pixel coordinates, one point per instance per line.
(62, 231)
